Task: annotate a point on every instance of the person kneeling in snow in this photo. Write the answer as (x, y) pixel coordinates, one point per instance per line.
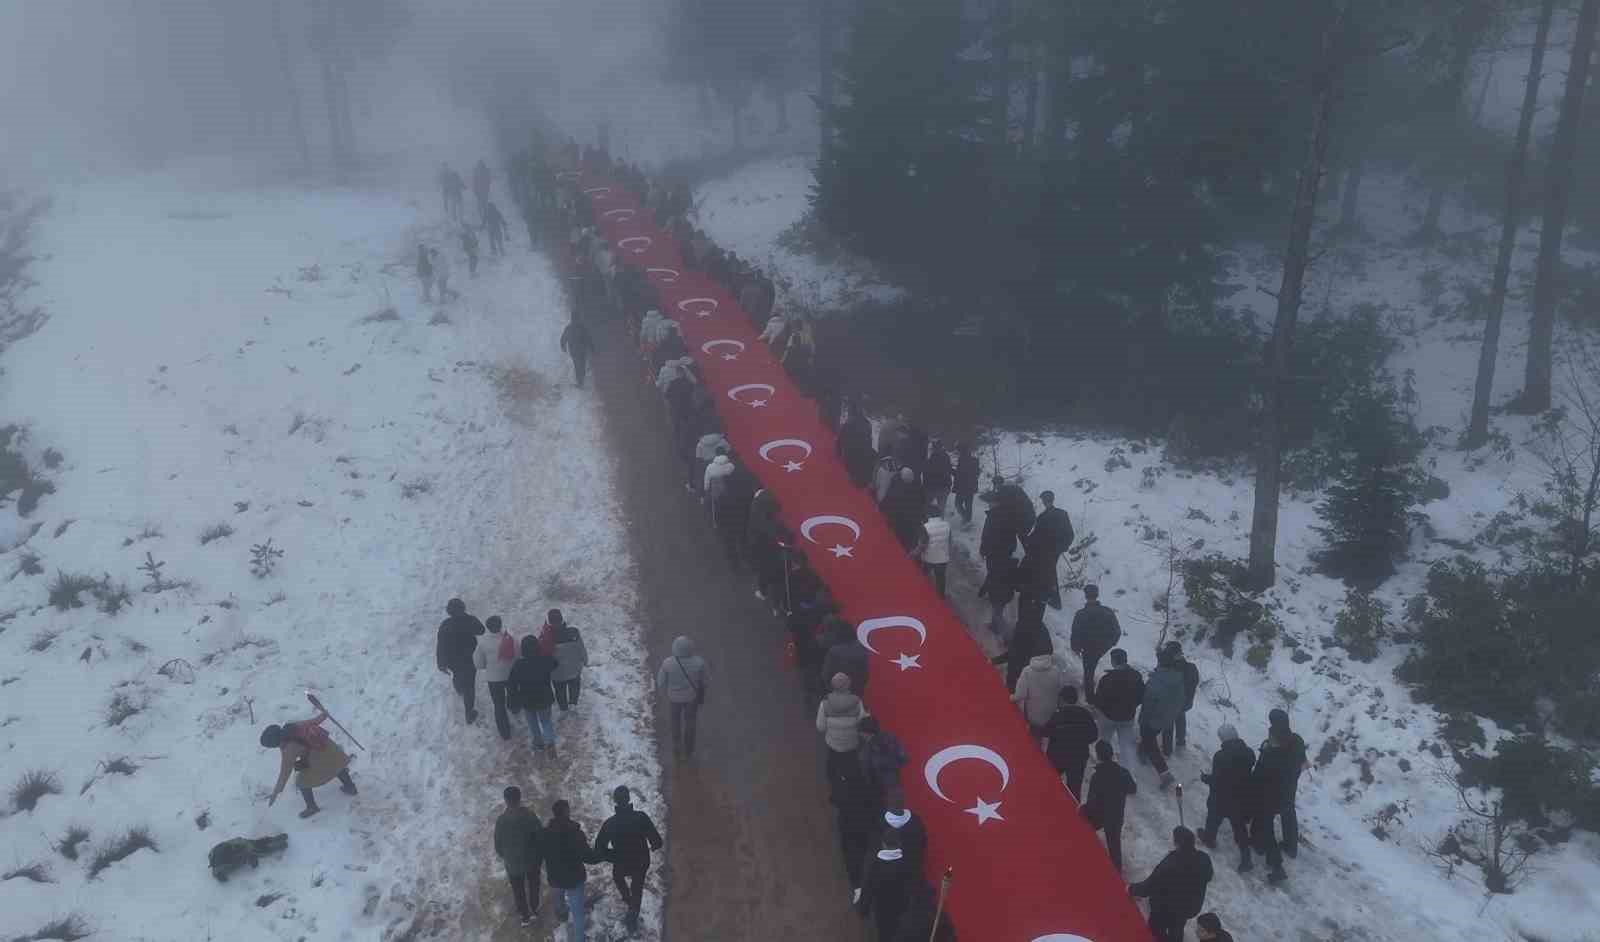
(306, 750)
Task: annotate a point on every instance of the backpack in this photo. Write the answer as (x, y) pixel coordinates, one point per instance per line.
(508, 648)
(309, 735)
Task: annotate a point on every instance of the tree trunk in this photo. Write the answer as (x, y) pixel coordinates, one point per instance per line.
(298, 124)
(1269, 458)
(1516, 169)
(330, 90)
(1558, 188)
(826, 33)
(1000, 58)
(1444, 166)
(1350, 208)
(1030, 121)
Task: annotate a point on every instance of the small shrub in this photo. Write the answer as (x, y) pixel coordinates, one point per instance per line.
(1468, 656)
(28, 564)
(439, 319)
(1211, 584)
(414, 489)
(1537, 780)
(263, 558)
(37, 871)
(121, 849)
(64, 929)
(383, 315)
(1361, 624)
(43, 640)
(216, 531)
(32, 786)
(151, 567)
(121, 709)
(71, 841)
(112, 598)
(1258, 655)
(66, 591)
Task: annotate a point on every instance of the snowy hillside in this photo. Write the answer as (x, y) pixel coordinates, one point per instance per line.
(1381, 787)
(225, 368)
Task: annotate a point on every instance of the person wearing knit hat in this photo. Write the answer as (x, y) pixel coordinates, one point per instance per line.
(1228, 800)
(1208, 928)
(625, 841)
(1274, 783)
(838, 718)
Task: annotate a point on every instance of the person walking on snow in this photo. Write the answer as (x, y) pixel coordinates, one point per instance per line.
(936, 547)
(567, 855)
(305, 749)
(683, 678)
(456, 652)
(1176, 888)
(578, 343)
(517, 835)
(937, 477)
(838, 717)
(845, 655)
(425, 272)
(1160, 707)
(1177, 735)
(886, 886)
(441, 273)
(528, 689)
(1208, 928)
(571, 658)
(1273, 785)
(469, 245)
(913, 833)
(451, 185)
(495, 224)
(854, 446)
(1095, 631)
(1037, 691)
(1070, 734)
(1109, 788)
(625, 841)
(1120, 695)
(882, 758)
(1051, 537)
(495, 654)
(1230, 799)
(965, 482)
(480, 188)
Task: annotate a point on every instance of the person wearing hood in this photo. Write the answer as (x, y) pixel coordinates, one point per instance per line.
(1177, 735)
(965, 482)
(1095, 631)
(455, 651)
(845, 655)
(716, 477)
(1109, 788)
(516, 843)
(936, 547)
(683, 678)
(528, 689)
(1037, 691)
(1069, 735)
(306, 750)
(906, 507)
(1274, 784)
(1176, 888)
(886, 885)
(567, 855)
(1229, 799)
(854, 446)
(1120, 694)
(1160, 707)
(496, 652)
(625, 841)
(913, 833)
(996, 545)
(1029, 639)
(1208, 928)
(571, 658)
(882, 757)
(838, 716)
(706, 449)
(937, 476)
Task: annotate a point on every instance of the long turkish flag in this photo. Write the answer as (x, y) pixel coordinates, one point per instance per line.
(1027, 868)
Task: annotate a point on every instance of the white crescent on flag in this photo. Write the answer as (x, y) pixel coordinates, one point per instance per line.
(866, 628)
(597, 191)
(811, 523)
(635, 244)
(767, 449)
(568, 175)
(1062, 937)
(736, 345)
(702, 312)
(753, 403)
(983, 810)
(622, 214)
(671, 274)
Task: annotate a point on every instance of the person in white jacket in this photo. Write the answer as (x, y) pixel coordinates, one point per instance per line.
(497, 651)
(1038, 689)
(936, 548)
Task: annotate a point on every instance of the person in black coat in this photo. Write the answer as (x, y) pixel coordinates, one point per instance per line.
(937, 476)
(1230, 797)
(845, 655)
(626, 840)
(1274, 784)
(578, 343)
(1119, 696)
(1052, 535)
(854, 445)
(965, 481)
(996, 544)
(1176, 888)
(913, 835)
(1178, 734)
(529, 689)
(1095, 631)
(1109, 788)
(886, 886)
(517, 836)
(856, 807)
(1029, 639)
(1070, 734)
(1208, 928)
(916, 923)
(566, 856)
(458, 642)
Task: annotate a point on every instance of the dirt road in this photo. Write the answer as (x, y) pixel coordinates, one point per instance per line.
(751, 851)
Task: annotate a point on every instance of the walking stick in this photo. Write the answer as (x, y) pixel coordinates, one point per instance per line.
(938, 912)
(788, 600)
(1180, 804)
(318, 704)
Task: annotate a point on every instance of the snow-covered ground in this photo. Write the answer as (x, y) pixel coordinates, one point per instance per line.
(1126, 501)
(261, 360)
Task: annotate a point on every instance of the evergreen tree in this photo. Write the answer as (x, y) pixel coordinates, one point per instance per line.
(1367, 510)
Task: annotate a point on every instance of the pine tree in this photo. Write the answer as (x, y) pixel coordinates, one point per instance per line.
(1367, 510)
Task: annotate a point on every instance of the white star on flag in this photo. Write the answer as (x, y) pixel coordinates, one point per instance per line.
(703, 313)
(757, 403)
(907, 661)
(730, 356)
(984, 811)
(842, 551)
(792, 466)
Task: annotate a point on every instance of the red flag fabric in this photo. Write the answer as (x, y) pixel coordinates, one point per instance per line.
(1027, 867)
